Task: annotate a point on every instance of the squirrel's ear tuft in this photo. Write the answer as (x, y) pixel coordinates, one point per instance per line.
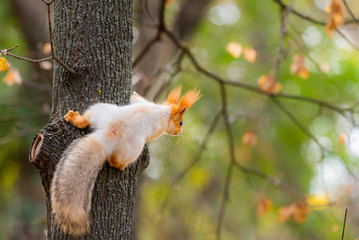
(188, 100)
(174, 96)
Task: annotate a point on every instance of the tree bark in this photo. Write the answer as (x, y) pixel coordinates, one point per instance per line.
(94, 38)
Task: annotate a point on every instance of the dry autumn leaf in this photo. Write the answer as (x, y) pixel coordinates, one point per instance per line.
(250, 55)
(298, 67)
(4, 66)
(285, 213)
(235, 49)
(45, 65)
(12, 77)
(46, 49)
(336, 16)
(170, 2)
(249, 138)
(297, 211)
(268, 84)
(263, 206)
(343, 138)
(300, 212)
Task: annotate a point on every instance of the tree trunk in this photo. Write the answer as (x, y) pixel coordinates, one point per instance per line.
(95, 39)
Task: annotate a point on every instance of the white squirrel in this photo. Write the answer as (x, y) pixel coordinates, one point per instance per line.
(119, 135)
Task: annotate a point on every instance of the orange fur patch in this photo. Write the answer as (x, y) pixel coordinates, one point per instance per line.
(116, 130)
(95, 145)
(113, 161)
(142, 109)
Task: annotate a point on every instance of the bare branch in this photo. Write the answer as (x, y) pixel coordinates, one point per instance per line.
(306, 17)
(225, 199)
(160, 27)
(28, 59)
(301, 15)
(283, 30)
(6, 52)
(203, 146)
(70, 70)
(230, 140)
(347, 39)
(350, 12)
(297, 122)
(345, 220)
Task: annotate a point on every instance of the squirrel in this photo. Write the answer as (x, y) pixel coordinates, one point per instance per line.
(119, 135)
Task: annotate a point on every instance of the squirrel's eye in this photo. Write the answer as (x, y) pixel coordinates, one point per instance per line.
(181, 123)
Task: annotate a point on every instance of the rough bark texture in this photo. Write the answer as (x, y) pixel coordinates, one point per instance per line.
(93, 37)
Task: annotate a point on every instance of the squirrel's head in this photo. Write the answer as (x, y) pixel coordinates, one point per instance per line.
(179, 106)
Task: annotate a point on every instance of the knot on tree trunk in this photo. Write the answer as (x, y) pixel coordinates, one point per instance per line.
(47, 148)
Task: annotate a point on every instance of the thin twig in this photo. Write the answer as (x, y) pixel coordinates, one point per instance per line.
(301, 15)
(203, 146)
(347, 39)
(345, 220)
(182, 174)
(160, 27)
(225, 199)
(147, 10)
(144, 51)
(70, 70)
(251, 88)
(232, 162)
(28, 59)
(283, 30)
(350, 12)
(9, 49)
(297, 122)
(6, 52)
(306, 17)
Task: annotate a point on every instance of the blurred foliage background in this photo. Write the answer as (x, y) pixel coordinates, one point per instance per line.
(296, 159)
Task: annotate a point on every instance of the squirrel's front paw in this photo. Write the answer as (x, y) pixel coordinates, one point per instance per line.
(70, 116)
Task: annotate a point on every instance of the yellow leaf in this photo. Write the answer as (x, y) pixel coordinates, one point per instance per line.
(12, 77)
(235, 49)
(336, 16)
(268, 84)
(250, 55)
(298, 67)
(4, 66)
(263, 206)
(318, 201)
(249, 138)
(199, 177)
